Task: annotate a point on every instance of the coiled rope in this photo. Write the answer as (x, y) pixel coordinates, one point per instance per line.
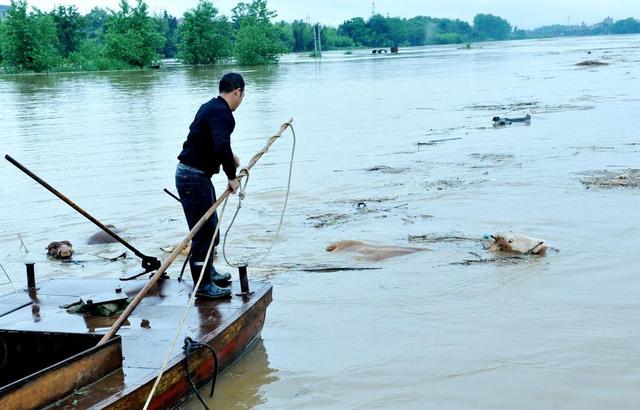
(241, 197)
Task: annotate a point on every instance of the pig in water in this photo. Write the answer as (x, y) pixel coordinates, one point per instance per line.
(60, 250)
(516, 243)
(373, 252)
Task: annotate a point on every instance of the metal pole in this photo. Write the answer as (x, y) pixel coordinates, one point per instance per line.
(165, 265)
(31, 275)
(149, 263)
(315, 43)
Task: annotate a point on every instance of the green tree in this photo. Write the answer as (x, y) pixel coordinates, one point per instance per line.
(331, 39)
(356, 29)
(302, 36)
(69, 25)
(256, 37)
(626, 26)
(95, 21)
(257, 44)
(256, 11)
(492, 27)
(130, 35)
(29, 41)
(206, 36)
(285, 36)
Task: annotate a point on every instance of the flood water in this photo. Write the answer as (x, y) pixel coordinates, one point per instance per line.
(559, 331)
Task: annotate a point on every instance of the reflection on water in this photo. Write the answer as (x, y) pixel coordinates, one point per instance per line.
(419, 332)
(242, 385)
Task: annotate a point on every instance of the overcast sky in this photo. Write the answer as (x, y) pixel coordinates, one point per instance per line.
(521, 13)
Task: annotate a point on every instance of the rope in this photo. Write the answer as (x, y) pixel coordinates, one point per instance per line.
(255, 158)
(186, 311)
(241, 197)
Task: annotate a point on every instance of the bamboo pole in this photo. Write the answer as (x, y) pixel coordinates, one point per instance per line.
(172, 257)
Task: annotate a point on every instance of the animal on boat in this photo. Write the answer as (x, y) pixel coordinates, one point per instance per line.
(60, 250)
(373, 252)
(501, 122)
(103, 237)
(185, 251)
(516, 243)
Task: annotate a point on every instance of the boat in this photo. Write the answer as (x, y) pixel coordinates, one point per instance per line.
(50, 358)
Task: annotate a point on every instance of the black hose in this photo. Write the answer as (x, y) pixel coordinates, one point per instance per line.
(184, 266)
(190, 344)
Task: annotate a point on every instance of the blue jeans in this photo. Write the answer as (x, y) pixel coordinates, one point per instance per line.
(197, 195)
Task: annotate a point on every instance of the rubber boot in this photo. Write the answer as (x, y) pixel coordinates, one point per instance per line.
(206, 289)
(220, 278)
(211, 291)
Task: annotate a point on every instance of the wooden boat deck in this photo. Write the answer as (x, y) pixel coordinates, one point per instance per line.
(228, 325)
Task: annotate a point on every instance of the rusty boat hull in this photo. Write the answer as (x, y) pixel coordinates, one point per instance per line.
(123, 376)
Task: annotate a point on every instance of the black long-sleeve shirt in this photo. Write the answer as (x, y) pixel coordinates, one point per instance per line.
(208, 144)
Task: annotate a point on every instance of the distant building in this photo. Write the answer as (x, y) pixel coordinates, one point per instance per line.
(4, 10)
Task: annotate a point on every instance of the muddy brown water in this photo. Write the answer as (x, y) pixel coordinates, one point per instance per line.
(422, 332)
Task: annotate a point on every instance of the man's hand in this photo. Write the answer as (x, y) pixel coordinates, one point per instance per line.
(236, 160)
(233, 185)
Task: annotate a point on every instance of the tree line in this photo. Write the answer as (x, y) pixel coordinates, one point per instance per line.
(65, 40)
(129, 37)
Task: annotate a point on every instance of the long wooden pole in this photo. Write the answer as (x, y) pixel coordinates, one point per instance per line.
(172, 257)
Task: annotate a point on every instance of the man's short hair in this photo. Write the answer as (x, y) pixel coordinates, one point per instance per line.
(230, 82)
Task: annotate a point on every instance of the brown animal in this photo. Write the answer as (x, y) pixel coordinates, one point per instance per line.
(516, 243)
(102, 236)
(60, 250)
(373, 252)
(185, 251)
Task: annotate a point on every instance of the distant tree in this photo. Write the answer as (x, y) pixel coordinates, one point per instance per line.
(172, 36)
(254, 12)
(94, 23)
(69, 26)
(257, 44)
(167, 26)
(356, 29)
(331, 39)
(130, 35)
(518, 34)
(626, 26)
(206, 36)
(285, 36)
(256, 37)
(492, 27)
(28, 41)
(302, 36)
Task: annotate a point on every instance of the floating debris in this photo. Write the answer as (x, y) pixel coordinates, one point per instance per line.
(434, 142)
(501, 107)
(501, 260)
(629, 178)
(328, 219)
(318, 268)
(502, 121)
(386, 169)
(443, 184)
(438, 238)
(534, 107)
(591, 63)
(356, 201)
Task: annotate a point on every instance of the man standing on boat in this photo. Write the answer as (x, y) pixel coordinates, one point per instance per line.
(208, 146)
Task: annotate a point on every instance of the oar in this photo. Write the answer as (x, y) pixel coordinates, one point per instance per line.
(172, 257)
(149, 263)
